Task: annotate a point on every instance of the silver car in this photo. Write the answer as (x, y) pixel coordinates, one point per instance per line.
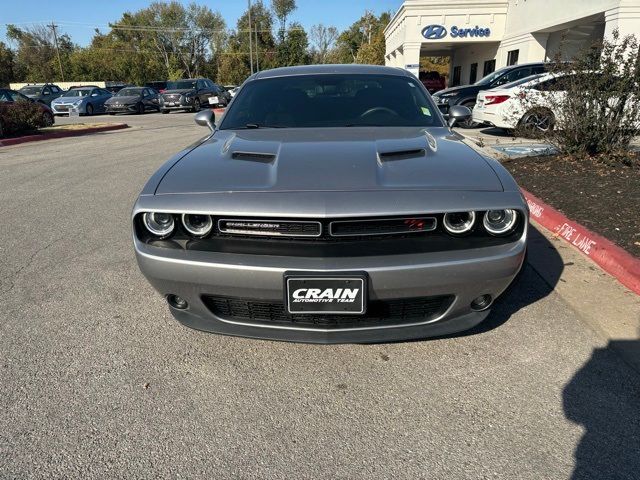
(331, 204)
(85, 100)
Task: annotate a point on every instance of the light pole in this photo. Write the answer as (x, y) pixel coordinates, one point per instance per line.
(250, 39)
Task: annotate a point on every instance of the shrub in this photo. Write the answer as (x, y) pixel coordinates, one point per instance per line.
(596, 111)
(18, 117)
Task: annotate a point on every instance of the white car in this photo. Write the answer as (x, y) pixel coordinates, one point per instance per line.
(525, 102)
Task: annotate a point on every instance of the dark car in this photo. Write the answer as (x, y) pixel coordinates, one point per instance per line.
(116, 87)
(42, 93)
(133, 100)
(466, 95)
(9, 97)
(159, 85)
(192, 94)
(432, 81)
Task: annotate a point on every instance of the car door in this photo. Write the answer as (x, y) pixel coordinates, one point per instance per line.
(104, 95)
(203, 92)
(45, 96)
(150, 99)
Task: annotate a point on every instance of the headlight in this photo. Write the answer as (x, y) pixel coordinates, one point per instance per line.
(499, 222)
(198, 225)
(458, 223)
(160, 224)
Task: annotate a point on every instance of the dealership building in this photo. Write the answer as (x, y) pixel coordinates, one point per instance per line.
(481, 36)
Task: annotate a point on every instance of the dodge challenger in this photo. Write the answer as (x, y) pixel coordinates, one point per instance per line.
(331, 204)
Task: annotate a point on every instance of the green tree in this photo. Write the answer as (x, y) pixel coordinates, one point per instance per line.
(235, 64)
(36, 57)
(295, 46)
(366, 34)
(6, 65)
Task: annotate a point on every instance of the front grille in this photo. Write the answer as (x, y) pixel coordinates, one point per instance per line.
(363, 227)
(62, 108)
(379, 312)
(173, 97)
(277, 228)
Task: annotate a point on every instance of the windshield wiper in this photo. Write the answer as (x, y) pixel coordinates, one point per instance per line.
(255, 125)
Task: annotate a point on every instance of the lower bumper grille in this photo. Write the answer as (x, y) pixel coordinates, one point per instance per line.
(379, 312)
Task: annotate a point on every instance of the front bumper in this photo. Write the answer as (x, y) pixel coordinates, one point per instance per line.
(465, 274)
(64, 109)
(120, 108)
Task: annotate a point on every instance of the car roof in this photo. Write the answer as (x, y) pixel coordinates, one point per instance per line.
(348, 69)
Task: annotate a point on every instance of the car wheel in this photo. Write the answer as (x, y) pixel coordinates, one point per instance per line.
(537, 122)
(139, 108)
(164, 111)
(469, 123)
(89, 109)
(47, 119)
(196, 105)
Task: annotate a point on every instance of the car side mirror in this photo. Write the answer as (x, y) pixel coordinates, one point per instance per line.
(458, 113)
(205, 118)
(45, 93)
(94, 94)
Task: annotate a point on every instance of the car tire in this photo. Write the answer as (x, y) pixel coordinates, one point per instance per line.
(469, 123)
(89, 109)
(111, 113)
(537, 122)
(139, 108)
(196, 105)
(47, 119)
(164, 111)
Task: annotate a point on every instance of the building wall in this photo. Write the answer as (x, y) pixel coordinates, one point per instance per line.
(468, 54)
(533, 27)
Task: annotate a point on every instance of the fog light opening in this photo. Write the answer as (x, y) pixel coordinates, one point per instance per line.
(482, 302)
(177, 302)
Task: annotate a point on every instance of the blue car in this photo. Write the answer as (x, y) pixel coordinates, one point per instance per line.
(86, 100)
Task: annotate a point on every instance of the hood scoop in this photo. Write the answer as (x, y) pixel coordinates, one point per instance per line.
(401, 154)
(253, 156)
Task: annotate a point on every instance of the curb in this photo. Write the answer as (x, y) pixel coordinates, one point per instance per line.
(67, 133)
(611, 258)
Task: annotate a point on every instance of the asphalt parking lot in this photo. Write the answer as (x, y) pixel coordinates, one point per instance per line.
(98, 381)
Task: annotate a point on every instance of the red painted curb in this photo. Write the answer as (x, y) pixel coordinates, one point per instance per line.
(610, 257)
(67, 133)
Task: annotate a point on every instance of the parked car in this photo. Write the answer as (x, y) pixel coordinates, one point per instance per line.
(159, 86)
(116, 87)
(9, 97)
(133, 100)
(505, 107)
(432, 81)
(43, 93)
(86, 100)
(191, 94)
(233, 91)
(466, 95)
(331, 204)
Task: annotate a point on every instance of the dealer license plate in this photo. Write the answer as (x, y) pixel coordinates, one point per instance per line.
(326, 294)
(213, 100)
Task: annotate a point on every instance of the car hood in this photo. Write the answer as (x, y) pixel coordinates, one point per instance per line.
(68, 99)
(330, 159)
(123, 100)
(181, 91)
(461, 90)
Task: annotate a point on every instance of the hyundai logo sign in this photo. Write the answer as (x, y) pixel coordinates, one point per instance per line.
(437, 32)
(434, 32)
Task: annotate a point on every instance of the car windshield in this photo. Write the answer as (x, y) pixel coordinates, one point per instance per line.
(521, 81)
(129, 92)
(331, 100)
(30, 90)
(491, 77)
(78, 92)
(181, 85)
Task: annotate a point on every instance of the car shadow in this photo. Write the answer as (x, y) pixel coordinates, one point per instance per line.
(604, 398)
(528, 287)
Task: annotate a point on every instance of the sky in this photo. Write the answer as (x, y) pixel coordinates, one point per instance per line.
(80, 18)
